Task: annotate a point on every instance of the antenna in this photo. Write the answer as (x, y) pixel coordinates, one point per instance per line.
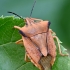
(32, 8)
(15, 14)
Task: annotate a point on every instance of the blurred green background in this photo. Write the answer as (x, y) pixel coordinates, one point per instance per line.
(56, 11)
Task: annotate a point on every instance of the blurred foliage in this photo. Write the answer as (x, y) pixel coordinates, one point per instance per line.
(56, 11)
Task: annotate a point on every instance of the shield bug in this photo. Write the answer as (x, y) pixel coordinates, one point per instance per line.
(38, 41)
(34, 30)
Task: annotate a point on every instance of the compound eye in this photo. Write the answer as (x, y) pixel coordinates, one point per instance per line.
(22, 33)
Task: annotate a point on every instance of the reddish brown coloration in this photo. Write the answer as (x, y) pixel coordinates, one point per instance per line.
(32, 51)
(38, 41)
(37, 32)
(35, 40)
(34, 28)
(51, 46)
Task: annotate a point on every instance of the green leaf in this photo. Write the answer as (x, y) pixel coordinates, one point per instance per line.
(12, 55)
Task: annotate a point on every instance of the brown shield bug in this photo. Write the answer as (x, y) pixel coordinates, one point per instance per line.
(30, 32)
(38, 41)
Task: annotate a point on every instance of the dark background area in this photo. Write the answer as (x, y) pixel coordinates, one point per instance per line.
(55, 11)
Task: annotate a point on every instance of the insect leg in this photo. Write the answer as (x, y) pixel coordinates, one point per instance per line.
(59, 47)
(17, 27)
(26, 57)
(19, 41)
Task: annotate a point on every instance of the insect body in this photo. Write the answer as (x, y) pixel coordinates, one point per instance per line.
(34, 38)
(38, 41)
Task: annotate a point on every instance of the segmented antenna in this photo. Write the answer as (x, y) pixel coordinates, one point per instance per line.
(32, 8)
(15, 14)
